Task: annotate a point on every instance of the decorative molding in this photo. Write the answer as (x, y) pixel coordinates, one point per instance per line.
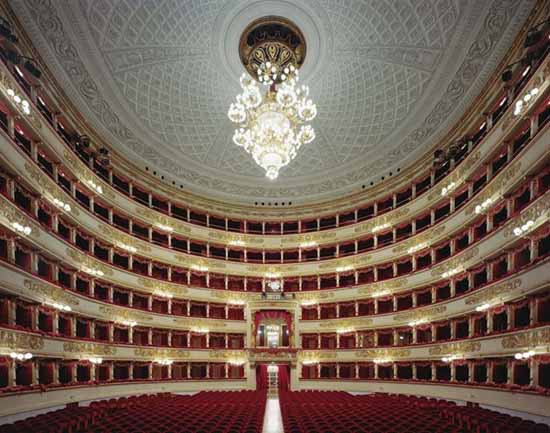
(317, 355)
(227, 238)
(459, 348)
(313, 295)
(539, 80)
(120, 313)
(162, 353)
(383, 353)
(427, 237)
(457, 176)
(454, 263)
(85, 261)
(389, 218)
(422, 313)
(162, 288)
(235, 296)
(118, 238)
(530, 339)
(156, 218)
(89, 349)
(351, 261)
(18, 341)
(383, 287)
(540, 210)
(490, 294)
(495, 187)
(7, 83)
(209, 324)
(50, 293)
(227, 354)
(11, 214)
(351, 323)
(48, 188)
(86, 176)
(319, 237)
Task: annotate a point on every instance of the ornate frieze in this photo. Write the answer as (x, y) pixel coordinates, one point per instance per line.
(494, 188)
(319, 237)
(314, 296)
(162, 353)
(234, 297)
(351, 324)
(122, 314)
(12, 215)
(6, 84)
(161, 288)
(47, 187)
(427, 314)
(382, 353)
(225, 355)
(425, 239)
(347, 264)
(89, 349)
(200, 324)
(457, 176)
(86, 176)
(123, 240)
(229, 238)
(459, 348)
(455, 263)
(50, 293)
(158, 219)
(201, 265)
(539, 81)
(387, 219)
(540, 210)
(316, 355)
(383, 288)
(492, 293)
(89, 264)
(19, 341)
(530, 339)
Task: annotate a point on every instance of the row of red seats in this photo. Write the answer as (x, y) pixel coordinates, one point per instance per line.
(340, 412)
(481, 420)
(204, 412)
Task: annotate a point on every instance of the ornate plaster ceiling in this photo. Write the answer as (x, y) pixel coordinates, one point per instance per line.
(155, 79)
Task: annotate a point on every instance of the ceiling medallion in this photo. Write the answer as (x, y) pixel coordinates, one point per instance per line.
(272, 124)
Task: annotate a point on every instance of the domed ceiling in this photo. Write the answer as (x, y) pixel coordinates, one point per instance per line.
(155, 79)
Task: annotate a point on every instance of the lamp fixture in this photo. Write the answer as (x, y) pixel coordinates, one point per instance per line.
(20, 228)
(61, 307)
(93, 272)
(524, 355)
(61, 204)
(451, 358)
(21, 102)
(95, 360)
(524, 228)
(272, 125)
(21, 356)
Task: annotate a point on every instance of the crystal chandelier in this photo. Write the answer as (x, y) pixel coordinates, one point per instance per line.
(273, 125)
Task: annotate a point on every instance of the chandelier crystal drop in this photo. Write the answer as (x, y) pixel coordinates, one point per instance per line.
(273, 125)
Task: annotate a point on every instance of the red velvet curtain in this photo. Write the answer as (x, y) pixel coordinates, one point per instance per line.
(284, 379)
(272, 315)
(261, 377)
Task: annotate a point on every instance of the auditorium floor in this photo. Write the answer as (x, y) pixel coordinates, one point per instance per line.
(273, 421)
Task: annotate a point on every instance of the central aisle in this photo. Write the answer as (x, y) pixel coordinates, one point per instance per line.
(273, 421)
